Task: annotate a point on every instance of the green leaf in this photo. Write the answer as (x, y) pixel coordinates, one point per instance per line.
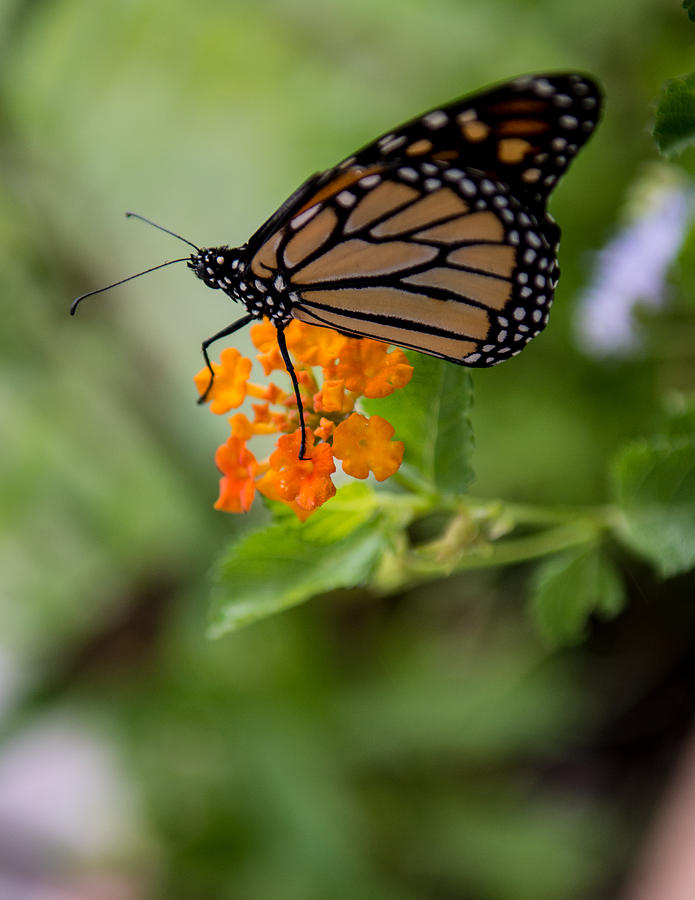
(674, 125)
(566, 589)
(689, 7)
(654, 483)
(431, 417)
(289, 562)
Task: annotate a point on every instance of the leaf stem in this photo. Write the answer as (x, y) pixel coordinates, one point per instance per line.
(420, 565)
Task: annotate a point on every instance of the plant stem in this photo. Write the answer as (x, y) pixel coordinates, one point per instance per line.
(422, 565)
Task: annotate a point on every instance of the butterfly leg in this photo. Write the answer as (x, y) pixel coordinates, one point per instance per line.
(230, 329)
(282, 343)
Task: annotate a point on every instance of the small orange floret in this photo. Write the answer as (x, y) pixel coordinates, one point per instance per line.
(266, 486)
(325, 429)
(308, 482)
(271, 392)
(368, 368)
(239, 467)
(271, 360)
(261, 413)
(275, 395)
(331, 397)
(312, 345)
(241, 427)
(281, 421)
(305, 379)
(229, 387)
(365, 444)
(264, 335)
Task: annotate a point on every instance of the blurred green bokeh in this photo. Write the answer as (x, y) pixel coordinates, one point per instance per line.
(419, 746)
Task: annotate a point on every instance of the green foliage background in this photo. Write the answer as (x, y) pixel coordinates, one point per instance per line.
(422, 743)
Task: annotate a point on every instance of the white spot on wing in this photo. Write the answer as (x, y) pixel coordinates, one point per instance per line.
(392, 144)
(436, 119)
(568, 121)
(542, 87)
(304, 217)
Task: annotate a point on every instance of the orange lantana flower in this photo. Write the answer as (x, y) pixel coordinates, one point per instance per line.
(368, 368)
(266, 486)
(332, 399)
(314, 346)
(350, 368)
(365, 444)
(229, 387)
(264, 335)
(325, 429)
(239, 467)
(307, 481)
(241, 427)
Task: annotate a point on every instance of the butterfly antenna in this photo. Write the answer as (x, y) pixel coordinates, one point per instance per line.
(132, 215)
(78, 300)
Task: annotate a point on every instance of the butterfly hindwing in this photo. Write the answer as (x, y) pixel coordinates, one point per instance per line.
(425, 256)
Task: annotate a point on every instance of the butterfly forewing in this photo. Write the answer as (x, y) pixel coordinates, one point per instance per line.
(525, 132)
(435, 236)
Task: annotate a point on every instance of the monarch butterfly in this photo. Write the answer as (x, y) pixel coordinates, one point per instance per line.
(434, 237)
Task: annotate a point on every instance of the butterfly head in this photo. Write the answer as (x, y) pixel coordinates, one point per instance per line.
(216, 266)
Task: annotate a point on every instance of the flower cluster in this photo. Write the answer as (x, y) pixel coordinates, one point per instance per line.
(351, 368)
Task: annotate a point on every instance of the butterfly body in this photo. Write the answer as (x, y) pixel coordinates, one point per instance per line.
(227, 269)
(434, 237)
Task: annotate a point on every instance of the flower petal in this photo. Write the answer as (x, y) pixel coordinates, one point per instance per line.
(239, 467)
(312, 345)
(365, 445)
(308, 482)
(229, 387)
(368, 367)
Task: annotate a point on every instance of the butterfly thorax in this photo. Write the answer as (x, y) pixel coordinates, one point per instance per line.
(227, 269)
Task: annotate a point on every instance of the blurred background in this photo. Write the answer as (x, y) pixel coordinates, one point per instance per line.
(423, 745)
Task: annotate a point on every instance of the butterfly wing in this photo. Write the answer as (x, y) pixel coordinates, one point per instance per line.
(524, 132)
(451, 264)
(435, 236)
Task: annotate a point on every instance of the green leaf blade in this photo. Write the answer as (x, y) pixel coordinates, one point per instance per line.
(674, 124)
(654, 484)
(289, 562)
(568, 588)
